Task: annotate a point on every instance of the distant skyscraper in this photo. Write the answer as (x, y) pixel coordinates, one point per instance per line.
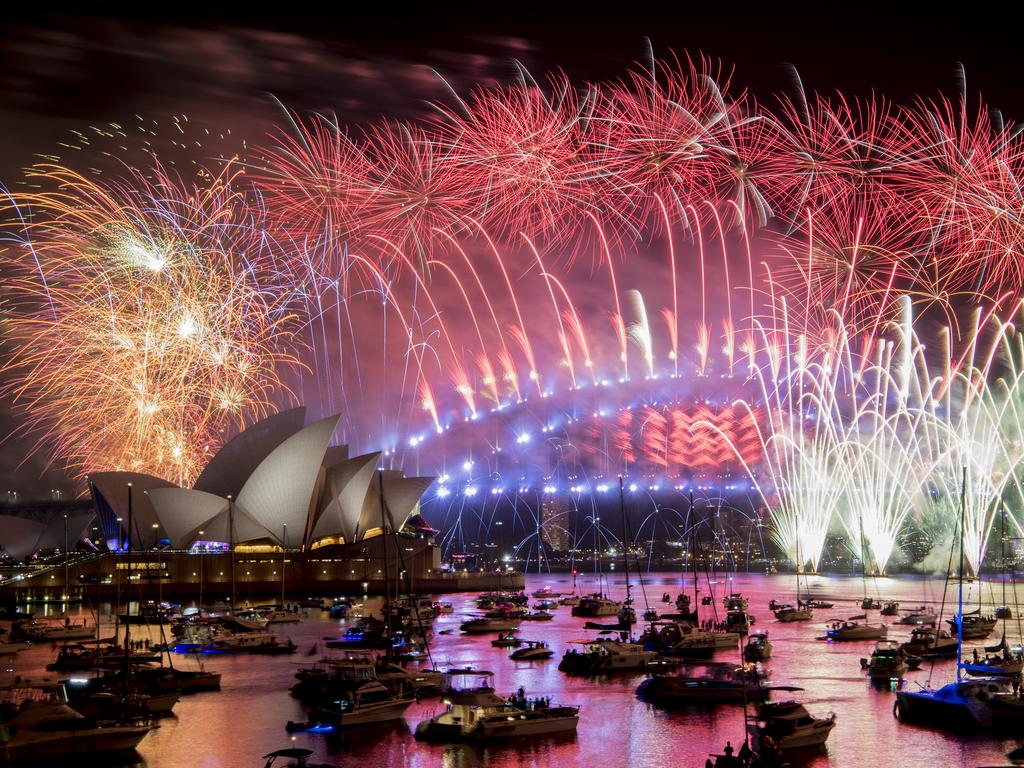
(554, 522)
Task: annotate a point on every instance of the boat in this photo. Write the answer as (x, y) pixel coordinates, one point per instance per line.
(361, 703)
(279, 616)
(340, 608)
(891, 608)
(537, 616)
(918, 619)
(822, 604)
(596, 605)
(738, 622)
(571, 600)
(482, 626)
(719, 683)
(545, 605)
(735, 602)
(6, 649)
(546, 593)
(929, 643)
(1005, 664)
(887, 661)
(781, 727)
(846, 630)
(789, 613)
(606, 656)
(506, 640)
(870, 604)
(535, 650)
(83, 656)
(473, 712)
(758, 647)
(38, 724)
(50, 632)
(964, 703)
(975, 626)
(246, 642)
(671, 638)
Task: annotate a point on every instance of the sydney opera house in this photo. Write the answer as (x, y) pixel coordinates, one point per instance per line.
(276, 495)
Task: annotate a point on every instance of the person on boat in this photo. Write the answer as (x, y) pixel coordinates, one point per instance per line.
(728, 750)
(976, 659)
(746, 753)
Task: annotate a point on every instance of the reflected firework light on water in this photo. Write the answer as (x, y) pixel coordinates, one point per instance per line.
(633, 276)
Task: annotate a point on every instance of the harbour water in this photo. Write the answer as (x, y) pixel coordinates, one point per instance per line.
(246, 719)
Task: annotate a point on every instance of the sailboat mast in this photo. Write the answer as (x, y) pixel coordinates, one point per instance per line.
(799, 562)
(384, 545)
(960, 591)
(693, 552)
(128, 593)
(67, 592)
(625, 534)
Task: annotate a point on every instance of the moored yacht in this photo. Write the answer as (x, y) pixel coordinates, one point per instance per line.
(534, 650)
(719, 683)
(786, 726)
(887, 661)
(39, 725)
(930, 643)
(788, 613)
(602, 657)
(596, 605)
(475, 713)
(854, 630)
(484, 625)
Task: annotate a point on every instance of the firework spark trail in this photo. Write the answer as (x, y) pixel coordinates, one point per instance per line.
(146, 324)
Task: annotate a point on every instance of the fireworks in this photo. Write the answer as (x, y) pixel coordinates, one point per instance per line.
(140, 329)
(531, 242)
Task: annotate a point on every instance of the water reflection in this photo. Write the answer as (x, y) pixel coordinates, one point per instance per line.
(235, 727)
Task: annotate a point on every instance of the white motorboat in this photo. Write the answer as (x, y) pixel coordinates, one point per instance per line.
(39, 725)
(483, 626)
(606, 656)
(537, 616)
(546, 594)
(594, 606)
(784, 726)
(571, 600)
(475, 713)
(534, 650)
(854, 630)
(788, 613)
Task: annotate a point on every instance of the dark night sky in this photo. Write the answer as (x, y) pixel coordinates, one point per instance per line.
(66, 71)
